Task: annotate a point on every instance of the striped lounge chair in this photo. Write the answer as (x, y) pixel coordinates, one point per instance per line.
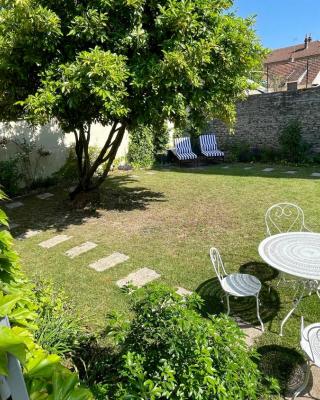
(183, 150)
(209, 147)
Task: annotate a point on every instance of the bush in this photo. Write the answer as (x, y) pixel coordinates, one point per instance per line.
(293, 147)
(141, 147)
(168, 351)
(44, 374)
(9, 176)
(69, 171)
(58, 329)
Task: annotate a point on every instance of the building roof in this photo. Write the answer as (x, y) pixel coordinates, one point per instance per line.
(296, 52)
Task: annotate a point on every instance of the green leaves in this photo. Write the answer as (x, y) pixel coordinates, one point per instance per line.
(13, 344)
(169, 351)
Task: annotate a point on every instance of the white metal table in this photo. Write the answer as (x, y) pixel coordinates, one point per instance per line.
(296, 254)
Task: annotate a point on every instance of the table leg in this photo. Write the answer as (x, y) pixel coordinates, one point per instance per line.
(296, 303)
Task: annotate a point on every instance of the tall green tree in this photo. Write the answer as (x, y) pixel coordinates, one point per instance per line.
(122, 63)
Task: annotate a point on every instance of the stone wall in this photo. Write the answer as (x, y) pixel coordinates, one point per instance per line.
(261, 117)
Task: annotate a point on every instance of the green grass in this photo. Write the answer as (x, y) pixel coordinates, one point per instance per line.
(168, 221)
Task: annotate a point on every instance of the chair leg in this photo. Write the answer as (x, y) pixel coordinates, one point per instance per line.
(228, 304)
(305, 382)
(258, 314)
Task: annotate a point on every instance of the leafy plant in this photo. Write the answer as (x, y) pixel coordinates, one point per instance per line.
(45, 376)
(293, 147)
(58, 328)
(141, 147)
(9, 176)
(168, 350)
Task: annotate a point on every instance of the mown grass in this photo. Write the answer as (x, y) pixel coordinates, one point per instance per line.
(168, 221)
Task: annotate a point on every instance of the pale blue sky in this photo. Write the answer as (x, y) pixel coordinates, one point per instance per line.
(282, 23)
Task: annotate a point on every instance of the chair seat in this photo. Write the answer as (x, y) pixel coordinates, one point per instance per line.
(310, 342)
(213, 153)
(241, 285)
(186, 156)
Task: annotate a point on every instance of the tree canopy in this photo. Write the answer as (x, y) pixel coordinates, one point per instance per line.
(122, 63)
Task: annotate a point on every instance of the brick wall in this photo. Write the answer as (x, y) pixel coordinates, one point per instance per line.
(261, 117)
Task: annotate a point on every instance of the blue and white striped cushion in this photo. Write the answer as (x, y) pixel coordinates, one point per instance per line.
(213, 153)
(209, 147)
(183, 149)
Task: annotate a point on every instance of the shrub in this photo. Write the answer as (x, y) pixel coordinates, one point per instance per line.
(58, 328)
(293, 147)
(141, 147)
(45, 376)
(168, 351)
(69, 171)
(9, 176)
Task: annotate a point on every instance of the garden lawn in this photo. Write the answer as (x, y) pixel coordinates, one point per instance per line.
(167, 221)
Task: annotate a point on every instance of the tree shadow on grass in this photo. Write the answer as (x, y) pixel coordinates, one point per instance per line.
(243, 307)
(285, 364)
(58, 212)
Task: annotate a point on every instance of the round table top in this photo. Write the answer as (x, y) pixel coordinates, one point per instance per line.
(295, 253)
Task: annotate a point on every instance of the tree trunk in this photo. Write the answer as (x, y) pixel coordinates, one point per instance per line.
(86, 169)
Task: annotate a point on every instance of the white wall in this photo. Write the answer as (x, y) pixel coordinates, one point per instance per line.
(49, 138)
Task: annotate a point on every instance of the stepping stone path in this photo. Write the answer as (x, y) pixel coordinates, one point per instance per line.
(108, 262)
(316, 174)
(83, 248)
(29, 234)
(268, 170)
(15, 204)
(139, 278)
(47, 244)
(290, 172)
(183, 292)
(252, 332)
(44, 196)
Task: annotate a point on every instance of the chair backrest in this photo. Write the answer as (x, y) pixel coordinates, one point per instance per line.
(217, 263)
(284, 217)
(183, 145)
(313, 339)
(208, 142)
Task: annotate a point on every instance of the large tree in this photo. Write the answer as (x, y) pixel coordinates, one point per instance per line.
(122, 63)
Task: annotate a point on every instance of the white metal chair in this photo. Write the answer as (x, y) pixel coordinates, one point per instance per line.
(285, 217)
(237, 285)
(282, 218)
(209, 147)
(310, 344)
(183, 150)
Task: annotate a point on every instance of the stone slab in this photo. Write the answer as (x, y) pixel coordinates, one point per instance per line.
(83, 248)
(183, 292)
(252, 332)
(44, 196)
(139, 278)
(108, 262)
(290, 172)
(47, 244)
(134, 176)
(29, 234)
(268, 170)
(316, 174)
(150, 173)
(247, 168)
(15, 204)
(225, 167)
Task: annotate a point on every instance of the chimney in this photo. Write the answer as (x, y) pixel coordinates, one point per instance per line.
(306, 42)
(309, 38)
